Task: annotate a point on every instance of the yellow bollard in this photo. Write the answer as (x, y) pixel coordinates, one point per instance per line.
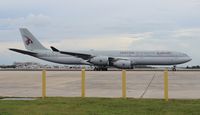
(43, 84)
(124, 83)
(166, 84)
(83, 67)
(83, 83)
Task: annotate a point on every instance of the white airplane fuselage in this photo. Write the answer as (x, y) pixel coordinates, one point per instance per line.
(136, 57)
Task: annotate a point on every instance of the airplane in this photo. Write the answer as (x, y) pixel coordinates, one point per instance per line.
(101, 60)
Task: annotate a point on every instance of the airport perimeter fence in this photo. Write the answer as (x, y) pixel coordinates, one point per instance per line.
(47, 88)
(123, 81)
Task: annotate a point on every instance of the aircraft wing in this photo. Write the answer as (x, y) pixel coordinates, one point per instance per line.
(23, 51)
(79, 55)
(88, 56)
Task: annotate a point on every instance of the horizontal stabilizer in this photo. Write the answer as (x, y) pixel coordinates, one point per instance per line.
(54, 49)
(23, 51)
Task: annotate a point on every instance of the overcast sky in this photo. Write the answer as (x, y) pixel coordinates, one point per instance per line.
(172, 25)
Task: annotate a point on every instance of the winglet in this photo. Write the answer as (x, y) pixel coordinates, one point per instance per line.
(54, 49)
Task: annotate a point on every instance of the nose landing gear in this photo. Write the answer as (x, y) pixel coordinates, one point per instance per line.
(174, 68)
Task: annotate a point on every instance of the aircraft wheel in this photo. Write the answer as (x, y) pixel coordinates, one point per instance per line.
(174, 68)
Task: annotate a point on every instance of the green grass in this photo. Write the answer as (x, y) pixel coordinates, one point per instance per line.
(99, 106)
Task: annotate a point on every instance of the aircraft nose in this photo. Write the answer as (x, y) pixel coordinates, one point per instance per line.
(187, 59)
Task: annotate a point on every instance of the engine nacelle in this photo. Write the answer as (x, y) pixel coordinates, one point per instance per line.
(123, 64)
(100, 60)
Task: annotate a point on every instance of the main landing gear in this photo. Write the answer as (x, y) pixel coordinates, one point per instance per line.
(100, 69)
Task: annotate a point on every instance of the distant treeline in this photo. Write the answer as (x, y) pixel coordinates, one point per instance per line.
(143, 66)
(137, 66)
(193, 67)
(7, 66)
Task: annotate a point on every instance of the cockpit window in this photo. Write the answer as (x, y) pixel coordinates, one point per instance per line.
(182, 55)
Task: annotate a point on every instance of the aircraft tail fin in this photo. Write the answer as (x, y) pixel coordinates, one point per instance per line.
(30, 42)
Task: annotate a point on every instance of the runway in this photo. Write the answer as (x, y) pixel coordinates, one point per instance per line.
(140, 84)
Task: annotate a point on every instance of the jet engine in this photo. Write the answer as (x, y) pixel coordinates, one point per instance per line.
(123, 64)
(100, 60)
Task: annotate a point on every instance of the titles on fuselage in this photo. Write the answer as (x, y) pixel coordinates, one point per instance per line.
(131, 52)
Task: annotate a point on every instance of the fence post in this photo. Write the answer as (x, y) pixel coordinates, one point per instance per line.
(83, 83)
(166, 84)
(123, 83)
(43, 84)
